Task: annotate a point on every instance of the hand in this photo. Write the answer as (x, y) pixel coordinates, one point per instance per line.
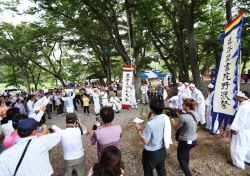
(43, 108)
(234, 132)
(137, 127)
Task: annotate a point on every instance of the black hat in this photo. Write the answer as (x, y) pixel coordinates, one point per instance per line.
(71, 118)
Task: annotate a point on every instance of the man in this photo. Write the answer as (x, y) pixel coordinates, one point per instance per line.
(154, 153)
(144, 90)
(160, 91)
(240, 142)
(108, 134)
(36, 159)
(180, 89)
(73, 152)
(208, 112)
(69, 102)
(200, 102)
(32, 113)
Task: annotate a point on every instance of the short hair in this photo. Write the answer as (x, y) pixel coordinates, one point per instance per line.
(24, 132)
(110, 162)
(16, 119)
(12, 112)
(157, 106)
(30, 96)
(190, 102)
(107, 114)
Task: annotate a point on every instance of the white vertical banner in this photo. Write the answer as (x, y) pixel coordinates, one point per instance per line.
(127, 78)
(227, 77)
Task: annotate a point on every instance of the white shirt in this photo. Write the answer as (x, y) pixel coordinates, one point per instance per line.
(36, 160)
(7, 128)
(72, 143)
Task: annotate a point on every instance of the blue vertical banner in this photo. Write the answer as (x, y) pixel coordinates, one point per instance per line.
(226, 86)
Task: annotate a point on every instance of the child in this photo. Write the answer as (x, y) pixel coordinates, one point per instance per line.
(85, 100)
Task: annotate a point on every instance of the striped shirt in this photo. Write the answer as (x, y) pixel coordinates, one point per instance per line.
(36, 160)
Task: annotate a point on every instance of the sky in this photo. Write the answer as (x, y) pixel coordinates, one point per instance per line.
(11, 17)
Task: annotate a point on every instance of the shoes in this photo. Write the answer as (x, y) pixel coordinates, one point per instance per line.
(49, 118)
(230, 163)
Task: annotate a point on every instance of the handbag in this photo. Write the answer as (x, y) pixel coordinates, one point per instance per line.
(21, 159)
(177, 133)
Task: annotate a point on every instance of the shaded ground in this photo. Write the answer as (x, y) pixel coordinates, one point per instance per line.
(209, 158)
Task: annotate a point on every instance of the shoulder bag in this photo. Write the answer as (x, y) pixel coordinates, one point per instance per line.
(177, 133)
(21, 159)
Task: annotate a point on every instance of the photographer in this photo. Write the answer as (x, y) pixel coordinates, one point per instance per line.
(154, 153)
(187, 125)
(73, 152)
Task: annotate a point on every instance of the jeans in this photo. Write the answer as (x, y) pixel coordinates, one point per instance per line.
(183, 155)
(154, 160)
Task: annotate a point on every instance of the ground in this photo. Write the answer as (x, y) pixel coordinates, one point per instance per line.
(208, 158)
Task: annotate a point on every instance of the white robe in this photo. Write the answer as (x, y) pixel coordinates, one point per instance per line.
(240, 143)
(180, 92)
(133, 102)
(173, 102)
(96, 100)
(104, 96)
(116, 103)
(200, 104)
(209, 107)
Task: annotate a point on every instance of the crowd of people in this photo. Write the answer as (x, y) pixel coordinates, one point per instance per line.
(28, 140)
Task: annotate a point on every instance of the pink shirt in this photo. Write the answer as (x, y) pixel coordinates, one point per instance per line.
(106, 136)
(10, 139)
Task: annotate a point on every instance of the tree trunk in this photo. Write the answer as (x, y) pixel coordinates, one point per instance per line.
(137, 82)
(229, 4)
(61, 81)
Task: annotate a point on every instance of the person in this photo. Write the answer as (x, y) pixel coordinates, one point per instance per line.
(200, 102)
(180, 89)
(58, 103)
(240, 142)
(144, 90)
(20, 106)
(115, 88)
(133, 102)
(9, 140)
(85, 101)
(154, 152)
(160, 91)
(110, 163)
(116, 103)
(73, 152)
(187, 124)
(96, 100)
(104, 97)
(7, 128)
(209, 111)
(36, 159)
(186, 93)
(69, 102)
(32, 113)
(108, 134)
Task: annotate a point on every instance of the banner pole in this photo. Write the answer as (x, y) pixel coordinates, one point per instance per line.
(239, 74)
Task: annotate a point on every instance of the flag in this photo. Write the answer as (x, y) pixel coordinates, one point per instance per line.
(127, 78)
(226, 83)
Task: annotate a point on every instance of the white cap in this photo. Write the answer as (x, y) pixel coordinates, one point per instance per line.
(186, 83)
(211, 86)
(191, 85)
(242, 94)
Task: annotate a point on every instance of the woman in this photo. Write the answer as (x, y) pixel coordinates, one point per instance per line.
(110, 163)
(20, 105)
(187, 126)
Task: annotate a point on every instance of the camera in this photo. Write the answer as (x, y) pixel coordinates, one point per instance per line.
(172, 113)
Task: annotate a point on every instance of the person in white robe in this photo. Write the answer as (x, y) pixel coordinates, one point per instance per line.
(116, 103)
(197, 95)
(104, 96)
(144, 92)
(173, 102)
(133, 102)
(96, 100)
(240, 142)
(209, 107)
(180, 89)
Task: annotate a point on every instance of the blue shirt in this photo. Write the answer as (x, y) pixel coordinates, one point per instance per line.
(154, 133)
